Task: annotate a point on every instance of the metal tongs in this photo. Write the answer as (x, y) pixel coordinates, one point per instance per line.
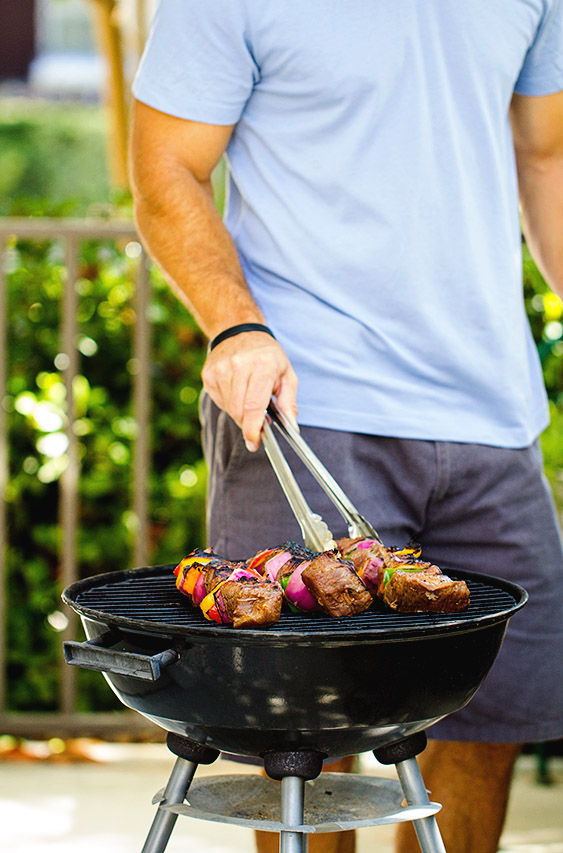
(316, 534)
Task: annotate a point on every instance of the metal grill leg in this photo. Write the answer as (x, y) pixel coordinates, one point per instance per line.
(426, 828)
(292, 808)
(176, 790)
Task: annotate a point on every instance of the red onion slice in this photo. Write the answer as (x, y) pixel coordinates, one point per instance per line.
(297, 593)
(199, 590)
(274, 564)
(220, 605)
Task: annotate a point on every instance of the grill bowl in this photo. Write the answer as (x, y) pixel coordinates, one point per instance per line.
(336, 685)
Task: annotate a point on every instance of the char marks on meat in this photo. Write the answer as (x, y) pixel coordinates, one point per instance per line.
(251, 604)
(215, 573)
(428, 591)
(401, 580)
(278, 564)
(336, 586)
(341, 583)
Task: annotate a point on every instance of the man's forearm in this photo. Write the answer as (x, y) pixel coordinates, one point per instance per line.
(172, 160)
(541, 196)
(185, 235)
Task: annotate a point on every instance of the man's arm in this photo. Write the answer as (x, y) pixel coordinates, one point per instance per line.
(171, 164)
(537, 126)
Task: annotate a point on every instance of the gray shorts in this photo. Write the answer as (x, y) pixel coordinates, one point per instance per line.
(474, 507)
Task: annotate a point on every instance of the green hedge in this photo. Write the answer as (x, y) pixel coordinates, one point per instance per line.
(52, 154)
(105, 430)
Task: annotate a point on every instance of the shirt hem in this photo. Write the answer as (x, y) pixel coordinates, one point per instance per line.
(425, 431)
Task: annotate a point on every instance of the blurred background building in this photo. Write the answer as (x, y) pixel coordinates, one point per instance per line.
(50, 46)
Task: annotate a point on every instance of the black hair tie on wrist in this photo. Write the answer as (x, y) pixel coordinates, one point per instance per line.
(237, 330)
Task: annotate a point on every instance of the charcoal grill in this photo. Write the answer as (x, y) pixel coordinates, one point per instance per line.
(306, 688)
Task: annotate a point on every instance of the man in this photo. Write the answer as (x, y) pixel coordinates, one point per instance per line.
(372, 228)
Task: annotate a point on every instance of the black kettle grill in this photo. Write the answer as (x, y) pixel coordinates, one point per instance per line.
(308, 687)
(304, 689)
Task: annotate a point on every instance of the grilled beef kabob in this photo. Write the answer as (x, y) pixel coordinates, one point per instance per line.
(401, 580)
(250, 594)
(339, 583)
(227, 592)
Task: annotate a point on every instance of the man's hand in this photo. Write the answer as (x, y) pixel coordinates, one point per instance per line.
(241, 375)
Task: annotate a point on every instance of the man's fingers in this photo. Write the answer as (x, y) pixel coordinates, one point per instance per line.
(246, 392)
(242, 374)
(258, 393)
(217, 382)
(286, 396)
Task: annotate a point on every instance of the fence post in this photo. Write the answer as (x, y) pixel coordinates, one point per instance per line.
(141, 403)
(3, 474)
(68, 495)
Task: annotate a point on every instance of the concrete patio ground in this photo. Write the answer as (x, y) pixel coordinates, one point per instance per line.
(104, 806)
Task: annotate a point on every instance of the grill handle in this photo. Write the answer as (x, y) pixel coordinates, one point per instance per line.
(97, 654)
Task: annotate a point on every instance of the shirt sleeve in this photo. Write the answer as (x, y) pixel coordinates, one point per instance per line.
(198, 62)
(542, 71)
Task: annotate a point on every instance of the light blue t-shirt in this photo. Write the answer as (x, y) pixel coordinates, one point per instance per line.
(373, 195)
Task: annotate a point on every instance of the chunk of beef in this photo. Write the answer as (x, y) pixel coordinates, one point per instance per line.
(370, 560)
(251, 604)
(360, 551)
(427, 591)
(336, 586)
(215, 574)
(401, 580)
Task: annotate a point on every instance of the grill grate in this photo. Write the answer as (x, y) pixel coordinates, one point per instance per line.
(148, 597)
